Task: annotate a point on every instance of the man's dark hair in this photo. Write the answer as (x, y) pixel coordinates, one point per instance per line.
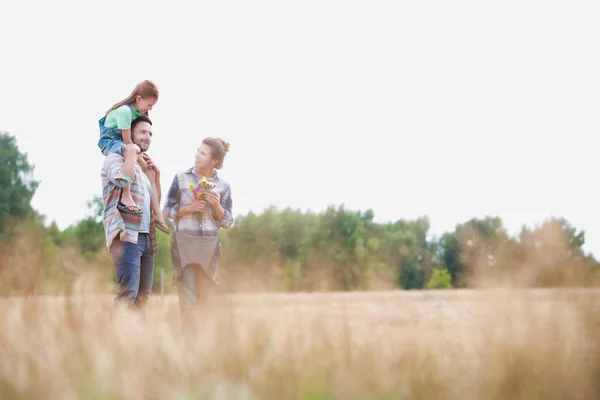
(141, 118)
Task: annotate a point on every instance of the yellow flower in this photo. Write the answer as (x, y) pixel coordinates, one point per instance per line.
(198, 195)
(191, 187)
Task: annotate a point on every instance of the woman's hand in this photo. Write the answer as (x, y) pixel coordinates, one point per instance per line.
(212, 198)
(194, 208)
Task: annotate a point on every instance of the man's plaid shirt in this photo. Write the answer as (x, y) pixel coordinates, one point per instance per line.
(125, 226)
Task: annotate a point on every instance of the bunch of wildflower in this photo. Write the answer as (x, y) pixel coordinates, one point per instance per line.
(203, 187)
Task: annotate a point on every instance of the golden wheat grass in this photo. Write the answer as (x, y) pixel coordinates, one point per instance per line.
(535, 344)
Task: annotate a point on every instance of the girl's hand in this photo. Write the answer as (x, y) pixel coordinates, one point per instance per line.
(143, 164)
(150, 163)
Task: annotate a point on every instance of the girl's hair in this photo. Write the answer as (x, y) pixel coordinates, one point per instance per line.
(218, 149)
(145, 89)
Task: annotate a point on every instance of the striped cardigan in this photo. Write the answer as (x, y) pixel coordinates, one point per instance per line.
(116, 223)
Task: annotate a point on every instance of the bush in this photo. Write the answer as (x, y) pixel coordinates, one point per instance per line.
(440, 279)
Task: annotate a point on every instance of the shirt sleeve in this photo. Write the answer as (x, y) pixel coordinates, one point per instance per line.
(123, 116)
(226, 202)
(113, 171)
(172, 205)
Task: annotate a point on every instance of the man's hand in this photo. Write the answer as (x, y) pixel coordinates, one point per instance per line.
(131, 149)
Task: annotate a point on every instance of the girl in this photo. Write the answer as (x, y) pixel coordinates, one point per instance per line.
(115, 131)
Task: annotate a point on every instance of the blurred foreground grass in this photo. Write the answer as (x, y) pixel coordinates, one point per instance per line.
(535, 344)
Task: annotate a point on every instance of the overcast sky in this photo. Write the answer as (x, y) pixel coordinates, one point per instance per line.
(448, 109)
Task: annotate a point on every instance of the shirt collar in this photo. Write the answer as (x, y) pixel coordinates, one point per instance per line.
(191, 171)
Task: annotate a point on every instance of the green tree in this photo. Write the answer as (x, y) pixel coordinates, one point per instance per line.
(340, 241)
(55, 234)
(17, 185)
(472, 248)
(404, 248)
(440, 279)
(552, 255)
(88, 233)
(162, 261)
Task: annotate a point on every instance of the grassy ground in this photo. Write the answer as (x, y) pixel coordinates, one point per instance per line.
(374, 345)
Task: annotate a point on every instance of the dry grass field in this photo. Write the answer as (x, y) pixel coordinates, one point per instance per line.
(482, 344)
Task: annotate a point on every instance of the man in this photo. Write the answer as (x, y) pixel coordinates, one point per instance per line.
(130, 237)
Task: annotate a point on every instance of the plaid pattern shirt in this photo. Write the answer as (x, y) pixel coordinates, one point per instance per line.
(205, 224)
(127, 226)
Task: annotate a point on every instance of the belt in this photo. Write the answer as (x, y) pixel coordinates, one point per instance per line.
(196, 233)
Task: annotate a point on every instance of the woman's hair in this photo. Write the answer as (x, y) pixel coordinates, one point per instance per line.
(145, 89)
(218, 149)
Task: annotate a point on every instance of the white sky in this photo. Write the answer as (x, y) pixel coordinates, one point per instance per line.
(448, 109)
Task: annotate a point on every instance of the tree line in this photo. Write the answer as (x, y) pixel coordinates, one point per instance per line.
(286, 249)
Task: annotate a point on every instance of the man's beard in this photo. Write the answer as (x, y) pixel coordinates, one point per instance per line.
(143, 147)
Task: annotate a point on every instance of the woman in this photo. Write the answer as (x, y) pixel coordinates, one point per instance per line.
(195, 244)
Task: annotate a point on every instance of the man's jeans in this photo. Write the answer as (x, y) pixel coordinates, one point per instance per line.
(134, 265)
